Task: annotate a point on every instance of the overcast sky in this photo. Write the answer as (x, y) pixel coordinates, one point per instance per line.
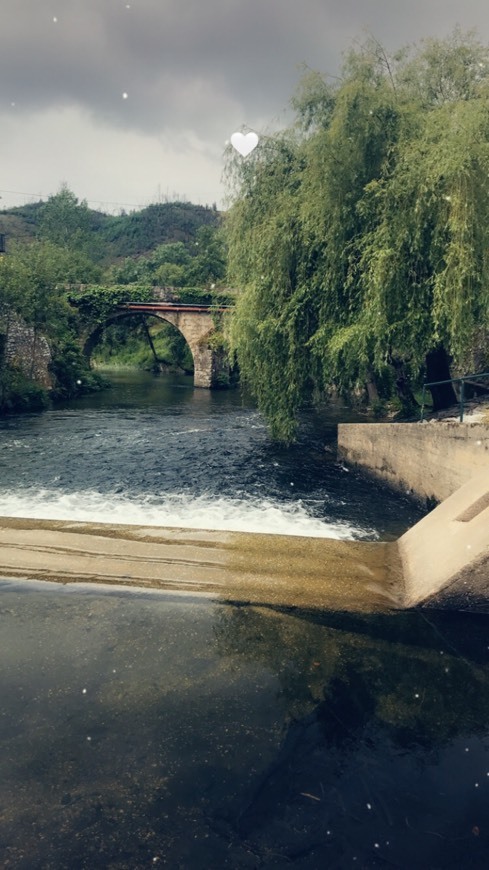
(132, 101)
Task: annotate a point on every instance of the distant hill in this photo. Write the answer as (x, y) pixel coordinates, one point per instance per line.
(127, 235)
(140, 232)
(20, 224)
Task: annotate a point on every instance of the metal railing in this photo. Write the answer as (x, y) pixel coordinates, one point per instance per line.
(462, 380)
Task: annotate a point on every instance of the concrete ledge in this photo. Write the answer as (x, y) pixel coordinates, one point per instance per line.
(252, 568)
(445, 557)
(430, 460)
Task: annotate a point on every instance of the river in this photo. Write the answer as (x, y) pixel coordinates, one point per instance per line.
(155, 451)
(144, 729)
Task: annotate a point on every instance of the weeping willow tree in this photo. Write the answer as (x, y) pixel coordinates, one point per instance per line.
(424, 265)
(275, 314)
(360, 237)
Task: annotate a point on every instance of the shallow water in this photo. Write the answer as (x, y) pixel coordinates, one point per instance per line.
(144, 729)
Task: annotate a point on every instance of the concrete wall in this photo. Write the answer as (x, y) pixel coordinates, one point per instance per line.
(431, 460)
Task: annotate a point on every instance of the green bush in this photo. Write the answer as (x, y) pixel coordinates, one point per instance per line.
(18, 394)
(72, 374)
(125, 344)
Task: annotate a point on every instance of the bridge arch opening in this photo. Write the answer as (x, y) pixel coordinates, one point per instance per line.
(143, 340)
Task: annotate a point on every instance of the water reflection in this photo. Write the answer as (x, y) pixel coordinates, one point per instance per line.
(140, 730)
(409, 685)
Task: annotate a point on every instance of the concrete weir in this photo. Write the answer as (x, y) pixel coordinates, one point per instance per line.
(255, 568)
(445, 557)
(442, 561)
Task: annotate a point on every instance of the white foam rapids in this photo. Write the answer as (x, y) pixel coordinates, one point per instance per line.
(180, 510)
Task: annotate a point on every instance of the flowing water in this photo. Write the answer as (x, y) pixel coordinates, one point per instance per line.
(156, 451)
(144, 729)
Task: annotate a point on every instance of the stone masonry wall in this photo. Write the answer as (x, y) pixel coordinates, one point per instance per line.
(430, 460)
(29, 352)
(197, 329)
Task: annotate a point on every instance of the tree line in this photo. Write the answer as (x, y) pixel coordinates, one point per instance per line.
(359, 236)
(110, 237)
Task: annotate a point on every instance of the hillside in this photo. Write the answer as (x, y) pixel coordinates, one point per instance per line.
(20, 224)
(126, 235)
(139, 232)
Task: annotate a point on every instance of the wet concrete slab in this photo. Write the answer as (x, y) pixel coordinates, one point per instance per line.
(256, 568)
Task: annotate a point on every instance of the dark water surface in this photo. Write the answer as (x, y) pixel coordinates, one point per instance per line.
(142, 729)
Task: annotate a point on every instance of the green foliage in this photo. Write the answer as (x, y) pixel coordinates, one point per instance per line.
(168, 261)
(72, 373)
(131, 235)
(360, 236)
(175, 264)
(95, 302)
(446, 71)
(33, 281)
(33, 286)
(19, 394)
(208, 265)
(125, 343)
(170, 275)
(273, 313)
(379, 409)
(65, 221)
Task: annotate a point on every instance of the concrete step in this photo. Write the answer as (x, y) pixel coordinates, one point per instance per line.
(445, 557)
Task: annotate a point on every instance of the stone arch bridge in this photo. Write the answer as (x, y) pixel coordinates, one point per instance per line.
(196, 324)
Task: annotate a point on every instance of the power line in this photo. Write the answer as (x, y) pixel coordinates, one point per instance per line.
(21, 193)
(98, 201)
(102, 202)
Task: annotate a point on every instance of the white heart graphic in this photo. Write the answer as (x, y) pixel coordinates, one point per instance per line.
(244, 143)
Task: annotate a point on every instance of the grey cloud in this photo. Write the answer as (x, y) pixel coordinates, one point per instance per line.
(194, 70)
(186, 62)
(222, 51)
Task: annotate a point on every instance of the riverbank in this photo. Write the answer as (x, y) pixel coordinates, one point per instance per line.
(475, 411)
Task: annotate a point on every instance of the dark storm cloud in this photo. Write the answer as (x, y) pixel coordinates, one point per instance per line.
(185, 63)
(176, 59)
